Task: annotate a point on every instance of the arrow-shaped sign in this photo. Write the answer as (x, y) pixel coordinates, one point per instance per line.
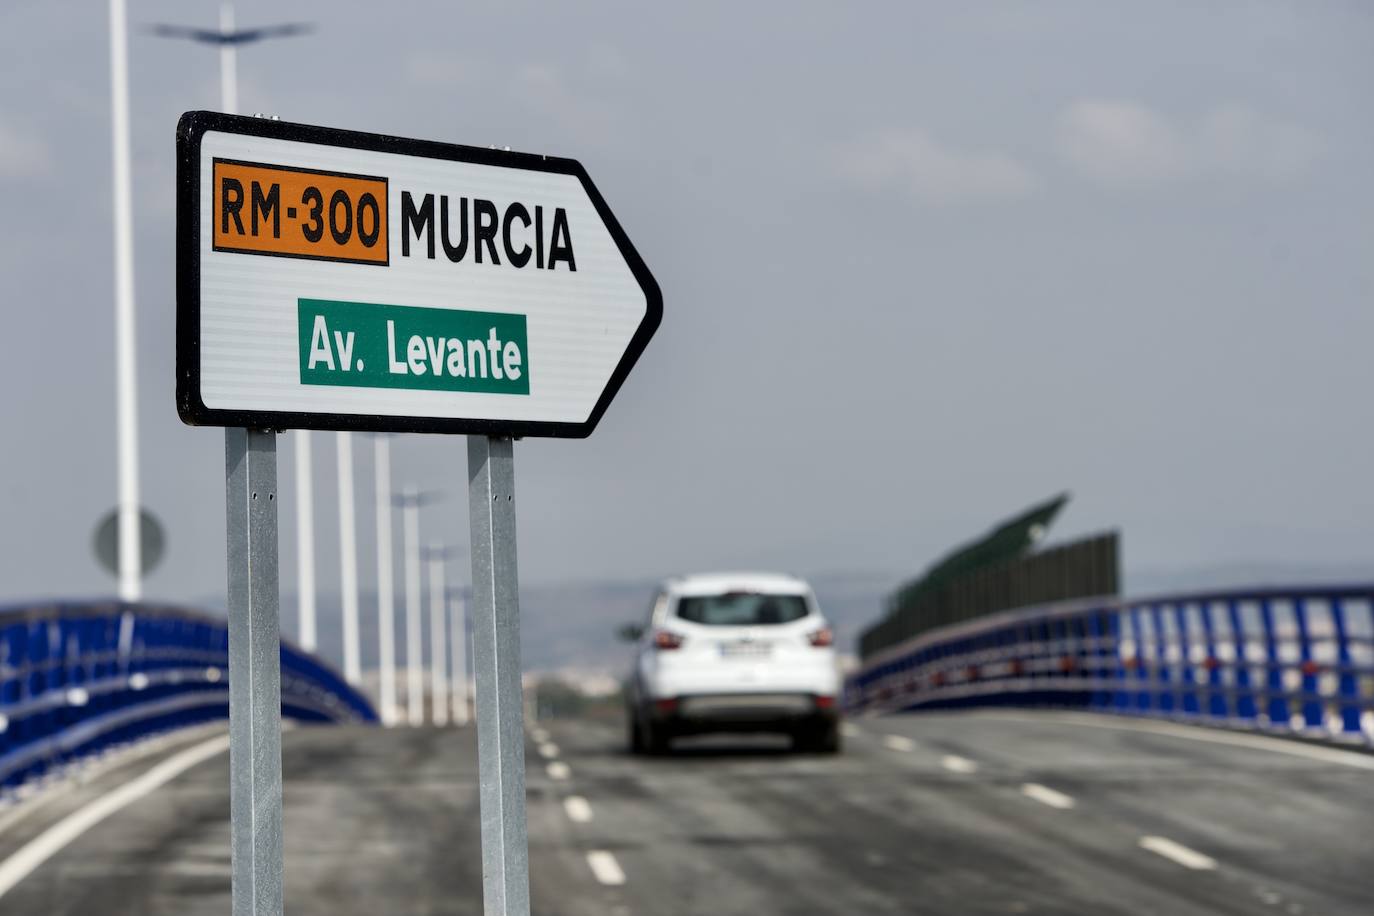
(328, 279)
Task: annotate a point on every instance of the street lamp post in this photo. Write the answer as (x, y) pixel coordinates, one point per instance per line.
(410, 512)
(386, 599)
(348, 559)
(459, 625)
(228, 39)
(438, 644)
(410, 500)
(305, 542)
(126, 351)
(228, 61)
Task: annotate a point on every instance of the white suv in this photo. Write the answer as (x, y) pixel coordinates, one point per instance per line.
(734, 652)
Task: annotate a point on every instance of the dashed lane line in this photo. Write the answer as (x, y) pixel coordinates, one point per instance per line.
(539, 735)
(898, 743)
(605, 868)
(956, 764)
(558, 770)
(53, 840)
(548, 750)
(1047, 796)
(849, 730)
(578, 809)
(1178, 853)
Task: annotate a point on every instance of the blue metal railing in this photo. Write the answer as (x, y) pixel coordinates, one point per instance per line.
(1298, 660)
(78, 677)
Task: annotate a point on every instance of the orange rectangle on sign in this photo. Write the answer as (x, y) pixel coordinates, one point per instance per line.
(299, 213)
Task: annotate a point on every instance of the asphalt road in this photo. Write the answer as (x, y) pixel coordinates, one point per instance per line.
(958, 814)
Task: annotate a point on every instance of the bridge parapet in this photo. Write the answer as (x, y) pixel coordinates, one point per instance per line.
(1298, 660)
(78, 677)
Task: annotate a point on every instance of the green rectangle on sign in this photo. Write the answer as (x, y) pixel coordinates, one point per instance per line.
(364, 345)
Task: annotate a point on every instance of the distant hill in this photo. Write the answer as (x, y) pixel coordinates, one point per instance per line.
(575, 624)
(572, 625)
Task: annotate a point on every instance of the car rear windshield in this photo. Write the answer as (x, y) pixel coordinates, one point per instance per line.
(741, 609)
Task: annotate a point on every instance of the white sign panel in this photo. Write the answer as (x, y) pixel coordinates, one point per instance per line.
(335, 280)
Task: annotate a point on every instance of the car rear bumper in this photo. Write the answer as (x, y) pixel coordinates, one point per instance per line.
(676, 677)
(743, 711)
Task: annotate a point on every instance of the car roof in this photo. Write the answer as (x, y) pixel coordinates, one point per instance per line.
(718, 583)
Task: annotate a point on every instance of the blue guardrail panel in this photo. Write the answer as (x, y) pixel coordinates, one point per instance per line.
(1314, 645)
(78, 677)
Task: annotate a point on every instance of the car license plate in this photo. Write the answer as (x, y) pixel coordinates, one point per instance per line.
(745, 650)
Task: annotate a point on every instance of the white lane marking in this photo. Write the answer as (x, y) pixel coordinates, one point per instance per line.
(956, 764)
(1178, 853)
(558, 770)
(548, 751)
(52, 841)
(898, 743)
(605, 868)
(103, 870)
(579, 810)
(539, 735)
(850, 730)
(1047, 796)
(1293, 748)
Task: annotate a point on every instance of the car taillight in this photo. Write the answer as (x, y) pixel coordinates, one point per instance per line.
(821, 638)
(664, 639)
(824, 702)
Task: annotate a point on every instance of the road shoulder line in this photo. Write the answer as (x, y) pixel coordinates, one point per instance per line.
(53, 840)
(1201, 732)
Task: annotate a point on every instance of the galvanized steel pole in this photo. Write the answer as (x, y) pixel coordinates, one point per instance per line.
(496, 658)
(255, 788)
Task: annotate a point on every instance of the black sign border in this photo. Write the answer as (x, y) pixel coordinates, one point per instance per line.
(191, 128)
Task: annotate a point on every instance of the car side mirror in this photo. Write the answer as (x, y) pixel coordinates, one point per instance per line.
(630, 632)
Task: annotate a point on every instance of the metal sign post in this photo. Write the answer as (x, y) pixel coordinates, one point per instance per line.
(496, 663)
(255, 796)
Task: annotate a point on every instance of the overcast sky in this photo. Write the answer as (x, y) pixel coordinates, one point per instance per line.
(922, 265)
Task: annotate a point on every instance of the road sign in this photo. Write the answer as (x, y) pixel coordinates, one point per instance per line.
(151, 538)
(328, 279)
